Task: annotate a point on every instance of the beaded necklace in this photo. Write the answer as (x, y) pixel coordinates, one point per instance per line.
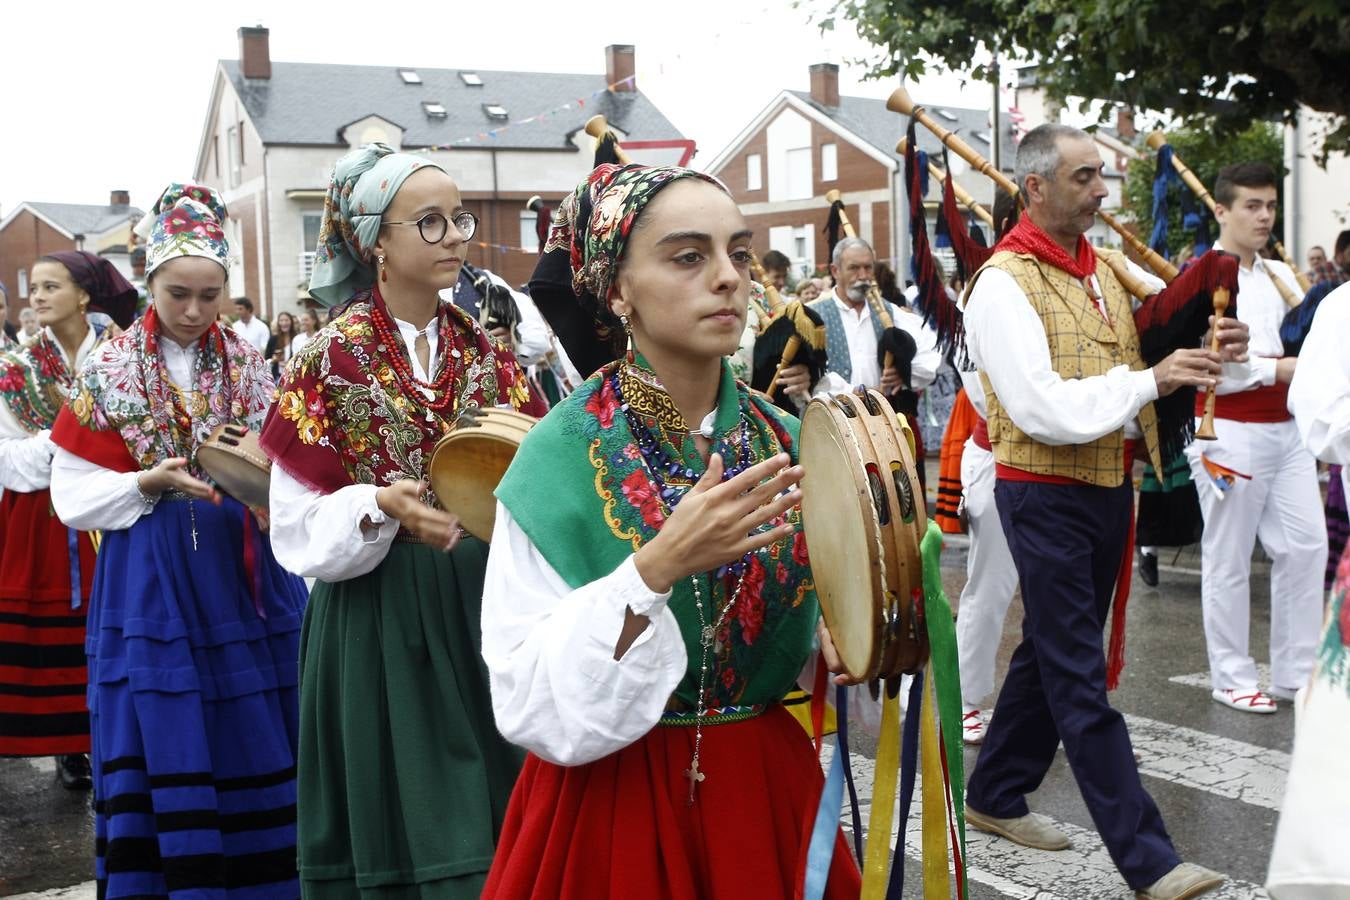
(437, 394)
(660, 465)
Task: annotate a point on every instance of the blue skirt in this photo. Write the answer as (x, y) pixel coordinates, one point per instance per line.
(193, 707)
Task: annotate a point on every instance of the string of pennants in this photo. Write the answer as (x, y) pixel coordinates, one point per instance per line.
(502, 248)
(491, 134)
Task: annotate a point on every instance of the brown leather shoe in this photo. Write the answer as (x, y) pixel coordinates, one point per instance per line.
(1185, 881)
(1030, 830)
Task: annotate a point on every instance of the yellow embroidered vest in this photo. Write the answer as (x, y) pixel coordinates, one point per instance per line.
(1082, 345)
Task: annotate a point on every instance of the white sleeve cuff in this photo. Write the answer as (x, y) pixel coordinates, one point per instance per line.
(1145, 386)
(635, 593)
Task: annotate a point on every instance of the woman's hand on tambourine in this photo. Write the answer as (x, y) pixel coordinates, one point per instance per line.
(1233, 338)
(831, 656)
(718, 522)
(402, 500)
(169, 476)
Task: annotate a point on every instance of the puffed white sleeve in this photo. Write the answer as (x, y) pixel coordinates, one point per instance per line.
(1007, 342)
(557, 690)
(927, 357)
(88, 497)
(332, 537)
(1319, 395)
(25, 459)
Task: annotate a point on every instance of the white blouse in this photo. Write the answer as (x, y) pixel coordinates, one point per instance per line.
(1319, 396)
(557, 690)
(26, 459)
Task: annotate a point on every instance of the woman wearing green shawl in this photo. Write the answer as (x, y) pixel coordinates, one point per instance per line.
(648, 599)
(403, 778)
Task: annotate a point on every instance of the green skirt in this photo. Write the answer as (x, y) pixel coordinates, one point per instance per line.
(403, 777)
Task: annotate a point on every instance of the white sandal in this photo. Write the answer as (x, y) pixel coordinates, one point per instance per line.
(1251, 700)
(972, 726)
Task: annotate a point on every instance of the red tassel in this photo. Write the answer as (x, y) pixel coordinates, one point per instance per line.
(1115, 651)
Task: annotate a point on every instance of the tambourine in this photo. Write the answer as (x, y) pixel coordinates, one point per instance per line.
(469, 462)
(863, 515)
(235, 461)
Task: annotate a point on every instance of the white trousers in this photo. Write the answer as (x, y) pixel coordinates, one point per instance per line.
(1280, 505)
(991, 578)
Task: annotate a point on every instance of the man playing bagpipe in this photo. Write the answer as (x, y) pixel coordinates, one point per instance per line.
(1051, 329)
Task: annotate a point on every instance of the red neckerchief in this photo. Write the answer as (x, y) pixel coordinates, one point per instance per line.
(1027, 237)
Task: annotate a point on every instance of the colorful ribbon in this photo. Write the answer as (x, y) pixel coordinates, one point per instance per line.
(76, 582)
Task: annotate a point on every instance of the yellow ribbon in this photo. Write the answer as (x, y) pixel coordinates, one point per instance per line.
(878, 852)
(935, 878)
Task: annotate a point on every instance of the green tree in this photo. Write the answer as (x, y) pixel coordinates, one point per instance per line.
(1205, 153)
(1230, 62)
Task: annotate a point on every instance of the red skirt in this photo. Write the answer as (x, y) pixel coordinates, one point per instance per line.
(43, 668)
(622, 826)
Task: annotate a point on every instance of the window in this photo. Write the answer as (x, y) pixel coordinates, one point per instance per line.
(232, 148)
(23, 282)
(495, 110)
(309, 229)
(799, 174)
(529, 237)
(946, 114)
(799, 241)
(215, 154)
(829, 162)
(409, 76)
(471, 79)
(433, 109)
(754, 172)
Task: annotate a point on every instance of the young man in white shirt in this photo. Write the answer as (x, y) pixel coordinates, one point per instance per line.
(249, 326)
(1275, 495)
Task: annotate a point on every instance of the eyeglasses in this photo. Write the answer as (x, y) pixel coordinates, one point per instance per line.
(433, 226)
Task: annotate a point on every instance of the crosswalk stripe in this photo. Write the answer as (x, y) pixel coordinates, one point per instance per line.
(1201, 679)
(86, 891)
(1196, 759)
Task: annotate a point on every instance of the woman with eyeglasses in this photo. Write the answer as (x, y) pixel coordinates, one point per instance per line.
(403, 776)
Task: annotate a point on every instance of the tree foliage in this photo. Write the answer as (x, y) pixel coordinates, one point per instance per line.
(1230, 62)
(1205, 153)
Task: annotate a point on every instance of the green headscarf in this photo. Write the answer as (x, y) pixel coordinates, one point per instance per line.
(363, 185)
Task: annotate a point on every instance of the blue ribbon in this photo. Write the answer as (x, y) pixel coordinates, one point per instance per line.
(820, 853)
(73, 552)
(909, 768)
(841, 730)
(1164, 176)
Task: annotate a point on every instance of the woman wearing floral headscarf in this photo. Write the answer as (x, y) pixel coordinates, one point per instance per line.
(648, 599)
(403, 776)
(193, 628)
(45, 567)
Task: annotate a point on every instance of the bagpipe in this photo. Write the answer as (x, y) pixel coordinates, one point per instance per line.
(1174, 318)
(497, 307)
(790, 333)
(896, 347)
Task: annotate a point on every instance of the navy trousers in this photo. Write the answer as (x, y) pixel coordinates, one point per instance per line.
(1066, 541)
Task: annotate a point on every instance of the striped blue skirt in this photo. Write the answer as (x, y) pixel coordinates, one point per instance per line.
(193, 656)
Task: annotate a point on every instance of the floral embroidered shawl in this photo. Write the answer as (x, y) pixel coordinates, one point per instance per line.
(125, 414)
(342, 417)
(579, 489)
(33, 382)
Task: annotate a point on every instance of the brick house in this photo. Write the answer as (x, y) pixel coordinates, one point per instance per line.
(805, 143)
(33, 229)
(274, 129)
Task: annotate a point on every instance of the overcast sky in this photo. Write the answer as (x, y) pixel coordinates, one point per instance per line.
(100, 95)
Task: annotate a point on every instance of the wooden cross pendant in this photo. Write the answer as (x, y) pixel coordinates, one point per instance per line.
(694, 776)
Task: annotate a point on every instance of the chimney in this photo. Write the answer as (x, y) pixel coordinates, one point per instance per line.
(119, 198)
(620, 66)
(825, 84)
(1125, 123)
(255, 57)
